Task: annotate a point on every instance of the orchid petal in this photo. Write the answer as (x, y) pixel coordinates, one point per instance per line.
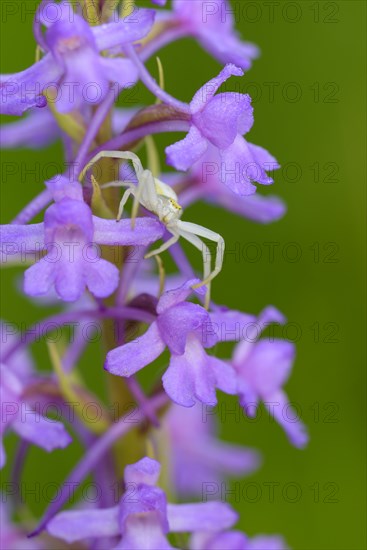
(83, 524)
(145, 231)
(130, 358)
(21, 91)
(143, 533)
(269, 364)
(183, 154)
(189, 377)
(120, 71)
(222, 118)
(267, 542)
(229, 49)
(15, 239)
(46, 433)
(207, 92)
(226, 378)
(175, 296)
(240, 168)
(69, 277)
(203, 516)
(39, 278)
(102, 278)
(130, 29)
(258, 208)
(279, 407)
(230, 325)
(38, 129)
(230, 540)
(267, 162)
(176, 323)
(145, 471)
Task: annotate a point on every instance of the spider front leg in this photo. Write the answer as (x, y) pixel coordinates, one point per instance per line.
(171, 241)
(192, 232)
(129, 191)
(117, 183)
(200, 245)
(156, 254)
(123, 201)
(122, 155)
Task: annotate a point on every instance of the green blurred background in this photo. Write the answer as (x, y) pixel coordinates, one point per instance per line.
(313, 59)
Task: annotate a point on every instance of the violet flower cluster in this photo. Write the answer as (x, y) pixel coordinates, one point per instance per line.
(103, 220)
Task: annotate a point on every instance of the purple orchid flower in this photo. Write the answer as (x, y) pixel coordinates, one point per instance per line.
(208, 176)
(263, 366)
(19, 415)
(196, 454)
(73, 62)
(143, 518)
(235, 540)
(220, 120)
(70, 234)
(185, 328)
(212, 24)
(89, 52)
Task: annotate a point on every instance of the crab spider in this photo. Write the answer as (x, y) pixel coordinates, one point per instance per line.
(160, 199)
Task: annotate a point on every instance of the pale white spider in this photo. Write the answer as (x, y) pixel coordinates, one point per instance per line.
(160, 199)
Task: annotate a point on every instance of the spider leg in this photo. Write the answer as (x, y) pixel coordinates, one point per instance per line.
(192, 233)
(200, 245)
(204, 249)
(201, 231)
(162, 274)
(123, 201)
(123, 155)
(172, 240)
(117, 183)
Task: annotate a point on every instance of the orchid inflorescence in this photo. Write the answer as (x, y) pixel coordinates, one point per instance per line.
(88, 53)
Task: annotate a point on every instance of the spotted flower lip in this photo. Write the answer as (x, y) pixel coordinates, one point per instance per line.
(74, 65)
(185, 328)
(218, 121)
(142, 522)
